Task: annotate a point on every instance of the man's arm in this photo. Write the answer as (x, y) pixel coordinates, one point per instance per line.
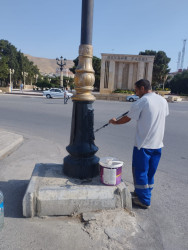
(122, 120)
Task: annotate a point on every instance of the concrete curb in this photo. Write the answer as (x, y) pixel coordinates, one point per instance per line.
(51, 193)
(25, 94)
(8, 143)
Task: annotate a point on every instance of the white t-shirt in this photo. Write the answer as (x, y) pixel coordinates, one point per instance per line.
(150, 112)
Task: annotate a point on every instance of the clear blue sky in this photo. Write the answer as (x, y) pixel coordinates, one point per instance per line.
(51, 28)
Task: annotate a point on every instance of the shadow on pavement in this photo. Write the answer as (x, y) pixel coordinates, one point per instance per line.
(13, 192)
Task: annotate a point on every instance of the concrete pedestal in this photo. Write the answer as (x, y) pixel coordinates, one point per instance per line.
(51, 193)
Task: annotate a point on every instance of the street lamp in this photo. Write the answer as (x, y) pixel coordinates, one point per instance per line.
(81, 162)
(61, 62)
(24, 74)
(11, 71)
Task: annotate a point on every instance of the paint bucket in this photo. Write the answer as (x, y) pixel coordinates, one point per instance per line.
(110, 171)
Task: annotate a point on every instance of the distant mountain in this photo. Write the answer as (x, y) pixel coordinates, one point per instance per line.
(48, 66)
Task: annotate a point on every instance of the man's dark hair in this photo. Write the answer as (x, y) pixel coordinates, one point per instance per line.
(145, 83)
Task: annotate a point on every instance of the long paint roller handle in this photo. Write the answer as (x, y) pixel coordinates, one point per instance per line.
(119, 117)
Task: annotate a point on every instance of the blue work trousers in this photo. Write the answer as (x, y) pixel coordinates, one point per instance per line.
(144, 165)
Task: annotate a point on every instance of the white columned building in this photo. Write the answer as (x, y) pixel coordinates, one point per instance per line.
(122, 71)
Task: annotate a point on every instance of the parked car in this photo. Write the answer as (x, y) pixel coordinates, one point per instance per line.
(55, 93)
(132, 98)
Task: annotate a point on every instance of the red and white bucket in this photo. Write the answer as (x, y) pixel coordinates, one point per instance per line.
(110, 171)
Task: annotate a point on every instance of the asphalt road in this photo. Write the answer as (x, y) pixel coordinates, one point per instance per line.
(165, 225)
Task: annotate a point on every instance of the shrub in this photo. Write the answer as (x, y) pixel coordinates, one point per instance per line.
(161, 89)
(123, 91)
(43, 84)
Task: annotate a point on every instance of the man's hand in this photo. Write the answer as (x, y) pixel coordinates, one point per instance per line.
(122, 120)
(113, 121)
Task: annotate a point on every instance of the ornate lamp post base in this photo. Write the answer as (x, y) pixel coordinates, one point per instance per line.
(81, 168)
(82, 163)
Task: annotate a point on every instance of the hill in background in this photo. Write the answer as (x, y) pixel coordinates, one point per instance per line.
(48, 66)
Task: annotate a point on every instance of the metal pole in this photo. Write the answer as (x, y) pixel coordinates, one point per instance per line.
(81, 162)
(87, 22)
(61, 79)
(10, 81)
(11, 71)
(61, 64)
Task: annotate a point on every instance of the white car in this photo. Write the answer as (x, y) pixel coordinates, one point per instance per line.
(56, 93)
(132, 98)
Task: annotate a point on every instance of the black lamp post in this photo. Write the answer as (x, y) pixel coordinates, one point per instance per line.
(61, 62)
(81, 162)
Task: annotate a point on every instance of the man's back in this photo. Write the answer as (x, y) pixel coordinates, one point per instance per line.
(150, 113)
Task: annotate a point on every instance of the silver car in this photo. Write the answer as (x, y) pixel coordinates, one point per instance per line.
(132, 98)
(56, 93)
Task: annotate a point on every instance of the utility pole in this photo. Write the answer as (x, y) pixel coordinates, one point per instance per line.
(183, 54)
(178, 62)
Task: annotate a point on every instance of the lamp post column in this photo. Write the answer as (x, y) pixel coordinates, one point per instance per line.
(61, 79)
(11, 71)
(81, 162)
(25, 74)
(61, 63)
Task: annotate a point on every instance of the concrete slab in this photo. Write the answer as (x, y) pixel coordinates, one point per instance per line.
(8, 142)
(51, 193)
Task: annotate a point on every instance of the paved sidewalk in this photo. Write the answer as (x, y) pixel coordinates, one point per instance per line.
(107, 229)
(8, 142)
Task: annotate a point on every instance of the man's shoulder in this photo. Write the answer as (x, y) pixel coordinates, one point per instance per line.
(156, 100)
(139, 104)
(153, 96)
(161, 98)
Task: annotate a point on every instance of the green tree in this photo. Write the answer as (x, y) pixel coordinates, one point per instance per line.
(68, 81)
(4, 70)
(97, 69)
(73, 69)
(43, 83)
(17, 61)
(96, 66)
(160, 66)
(179, 83)
(71, 83)
(55, 82)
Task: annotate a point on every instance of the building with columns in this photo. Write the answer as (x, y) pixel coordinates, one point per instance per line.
(122, 71)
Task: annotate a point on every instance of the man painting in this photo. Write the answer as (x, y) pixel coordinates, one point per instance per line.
(150, 112)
